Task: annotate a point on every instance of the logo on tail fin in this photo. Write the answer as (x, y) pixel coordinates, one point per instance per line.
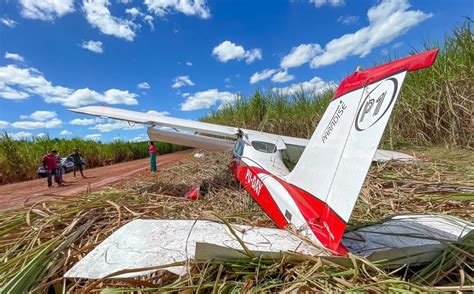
(376, 104)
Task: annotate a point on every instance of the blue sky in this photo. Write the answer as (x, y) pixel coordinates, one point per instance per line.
(185, 58)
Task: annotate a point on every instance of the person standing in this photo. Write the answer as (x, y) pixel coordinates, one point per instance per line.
(50, 164)
(153, 151)
(77, 159)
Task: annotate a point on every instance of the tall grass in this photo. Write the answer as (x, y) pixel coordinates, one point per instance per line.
(19, 159)
(435, 108)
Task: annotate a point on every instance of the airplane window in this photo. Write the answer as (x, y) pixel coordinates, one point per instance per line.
(264, 146)
(239, 148)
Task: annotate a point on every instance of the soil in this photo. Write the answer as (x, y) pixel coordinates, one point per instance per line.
(29, 192)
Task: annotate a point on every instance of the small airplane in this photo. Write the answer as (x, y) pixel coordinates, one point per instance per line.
(318, 195)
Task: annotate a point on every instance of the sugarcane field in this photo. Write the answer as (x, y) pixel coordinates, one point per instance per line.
(317, 146)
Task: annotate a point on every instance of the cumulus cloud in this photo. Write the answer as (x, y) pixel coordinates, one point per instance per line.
(282, 77)
(46, 9)
(40, 115)
(3, 124)
(93, 137)
(158, 112)
(143, 85)
(262, 75)
(99, 16)
(316, 84)
(334, 3)
(189, 63)
(206, 99)
(14, 56)
(82, 121)
(21, 83)
(65, 133)
(387, 20)
(182, 81)
(94, 46)
(188, 7)
(300, 55)
(227, 50)
(31, 125)
(8, 22)
(20, 135)
(348, 19)
(149, 20)
(113, 125)
(134, 12)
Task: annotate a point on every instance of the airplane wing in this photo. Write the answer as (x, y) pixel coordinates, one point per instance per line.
(295, 146)
(158, 120)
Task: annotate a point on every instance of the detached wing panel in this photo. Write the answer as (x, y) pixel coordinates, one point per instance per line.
(158, 120)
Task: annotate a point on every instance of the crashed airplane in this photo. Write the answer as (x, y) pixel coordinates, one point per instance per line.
(316, 197)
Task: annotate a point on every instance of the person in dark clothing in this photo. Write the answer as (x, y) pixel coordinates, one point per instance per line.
(77, 158)
(50, 164)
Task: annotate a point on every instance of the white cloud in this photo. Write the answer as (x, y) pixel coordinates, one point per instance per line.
(134, 12)
(46, 9)
(262, 75)
(387, 20)
(30, 125)
(149, 20)
(316, 84)
(125, 1)
(282, 77)
(227, 50)
(334, 3)
(99, 16)
(94, 46)
(300, 55)
(3, 124)
(188, 7)
(21, 83)
(65, 133)
(182, 81)
(8, 22)
(41, 136)
(82, 121)
(93, 137)
(189, 63)
(40, 115)
(113, 125)
(158, 112)
(143, 85)
(206, 99)
(86, 96)
(348, 19)
(139, 139)
(14, 56)
(20, 135)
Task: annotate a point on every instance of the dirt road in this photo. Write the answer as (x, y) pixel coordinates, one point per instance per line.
(20, 194)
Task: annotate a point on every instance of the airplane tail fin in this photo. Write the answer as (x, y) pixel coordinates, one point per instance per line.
(335, 163)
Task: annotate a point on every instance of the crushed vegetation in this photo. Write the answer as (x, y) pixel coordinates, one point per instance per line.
(38, 245)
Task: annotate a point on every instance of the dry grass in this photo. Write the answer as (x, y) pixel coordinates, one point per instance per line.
(40, 244)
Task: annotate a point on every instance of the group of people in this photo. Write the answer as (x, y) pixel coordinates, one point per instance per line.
(52, 166)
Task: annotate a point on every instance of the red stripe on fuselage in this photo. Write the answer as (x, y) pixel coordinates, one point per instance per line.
(327, 226)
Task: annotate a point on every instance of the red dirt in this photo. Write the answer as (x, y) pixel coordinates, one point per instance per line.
(25, 193)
